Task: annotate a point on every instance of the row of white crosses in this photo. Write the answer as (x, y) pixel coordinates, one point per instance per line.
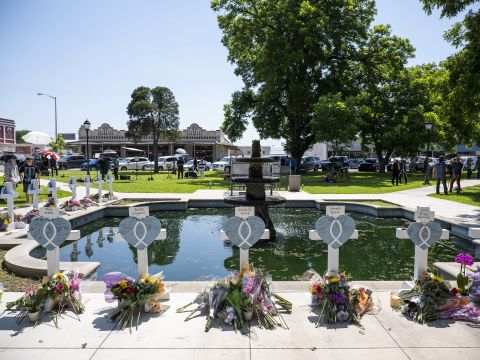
(88, 184)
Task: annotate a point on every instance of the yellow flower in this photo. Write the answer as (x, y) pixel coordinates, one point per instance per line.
(160, 286)
(334, 279)
(123, 283)
(148, 280)
(437, 279)
(58, 276)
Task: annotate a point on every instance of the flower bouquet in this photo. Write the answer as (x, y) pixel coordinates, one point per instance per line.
(238, 298)
(423, 302)
(51, 202)
(87, 202)
(53, 296)
(133, 296)
(72, 205)
(28, 217)
(337, 301)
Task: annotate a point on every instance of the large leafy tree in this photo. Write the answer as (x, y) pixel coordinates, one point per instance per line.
(19, 134)
(391, 101)
(289, 53)
(58, 145)
(153, 112)
(462, 102)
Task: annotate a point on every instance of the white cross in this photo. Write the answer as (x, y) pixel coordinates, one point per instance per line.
(73, 186)
(88, 184)
(140, 212)
(52, 187)
(110, 183)
(99, 183)
(422, 215)
(9, 194)
(34, 190)
(333, 254)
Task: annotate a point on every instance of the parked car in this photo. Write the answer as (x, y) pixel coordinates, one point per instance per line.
(92, 164)
(339, 162)
(311, 163)
(369, 164)
(189, 165)
(326, 165)
(164, 163)
(223, 164)
(70, 162)
(353, 163)
(419, 160)
(469, 160)
(130, 163)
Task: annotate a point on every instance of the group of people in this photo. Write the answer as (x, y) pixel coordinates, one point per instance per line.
(441, 168)
(25, 174)
(399, 171)
(198, 167)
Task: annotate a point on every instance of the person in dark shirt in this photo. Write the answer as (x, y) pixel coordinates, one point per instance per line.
(403, 170)
(103, 166)
(53, 166)
(395, 172)
(457, 166)
(30, 172)
(180, 163)
(440, 174)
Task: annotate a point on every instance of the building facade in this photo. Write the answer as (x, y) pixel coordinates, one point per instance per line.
(7, 136)
(196, 141)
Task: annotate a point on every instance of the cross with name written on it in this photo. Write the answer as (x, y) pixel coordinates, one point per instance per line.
(9, 194)
(140, 230)
(244, 230)
(72, 184)
(335, 229)
(35, 191)
(424, 232)
(53, 189)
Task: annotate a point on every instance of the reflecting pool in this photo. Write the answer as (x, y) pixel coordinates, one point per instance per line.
(193, 249)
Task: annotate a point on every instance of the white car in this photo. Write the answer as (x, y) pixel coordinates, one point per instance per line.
(189, 165)
(223, 164)
(130, 163)
(164, 163)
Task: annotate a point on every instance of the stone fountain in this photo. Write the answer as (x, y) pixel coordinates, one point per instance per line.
(255, 187)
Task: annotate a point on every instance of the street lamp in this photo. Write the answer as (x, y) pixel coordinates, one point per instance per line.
(428, 127)
(86, 125)
(54, 98)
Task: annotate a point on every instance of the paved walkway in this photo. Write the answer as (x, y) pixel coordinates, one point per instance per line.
(387, 335)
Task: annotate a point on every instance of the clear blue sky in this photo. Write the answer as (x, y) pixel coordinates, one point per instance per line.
(91, 54)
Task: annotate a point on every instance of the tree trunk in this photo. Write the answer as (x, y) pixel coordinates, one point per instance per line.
(155, 153)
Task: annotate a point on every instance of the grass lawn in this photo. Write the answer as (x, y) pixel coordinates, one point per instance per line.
(470, 196)
(360, 183)
(13, 282)
(160, 183)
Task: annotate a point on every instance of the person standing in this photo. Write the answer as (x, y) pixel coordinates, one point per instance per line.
(469, 165)
(103, 166)
(53, 166)
(395, 171)
(180, 163)
(195, 164)
(477, 166)
(12, 174)
(426, 170)
(30, 172)
(403, 170)
(457, 166)
(440, 174)
(201, 168)
(116, 165)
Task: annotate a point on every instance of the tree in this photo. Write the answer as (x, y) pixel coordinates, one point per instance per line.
(19, 134)
(462, 103)
(335, 120)
(390, 101)
(289, 53)
(153, 112)
(58, 145)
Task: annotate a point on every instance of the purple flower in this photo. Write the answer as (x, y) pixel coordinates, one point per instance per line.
(337, 297)
(75, 283)
(464, 258)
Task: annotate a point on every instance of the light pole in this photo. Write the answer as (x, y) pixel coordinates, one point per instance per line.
(86, 125)
(428, 127)
(54, 98)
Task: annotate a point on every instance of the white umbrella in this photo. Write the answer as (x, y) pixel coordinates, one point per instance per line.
(180, 151)
(37, 138)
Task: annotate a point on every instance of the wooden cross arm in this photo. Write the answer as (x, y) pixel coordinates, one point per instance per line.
(313, 235)
(161, 236)
(73, 236)
(224, 237)
(401, 233)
